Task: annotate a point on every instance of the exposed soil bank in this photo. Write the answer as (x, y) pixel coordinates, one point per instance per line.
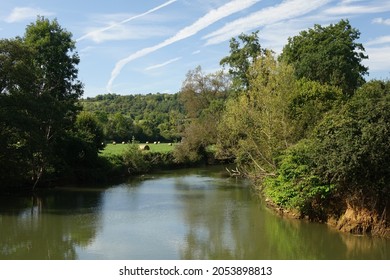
(354, 220)
(362, 221)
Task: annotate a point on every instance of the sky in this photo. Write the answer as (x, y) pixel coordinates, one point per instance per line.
(139, 47)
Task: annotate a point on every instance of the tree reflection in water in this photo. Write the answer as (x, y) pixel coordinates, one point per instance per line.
(48, 225)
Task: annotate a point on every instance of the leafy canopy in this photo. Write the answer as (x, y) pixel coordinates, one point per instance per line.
(329, 55)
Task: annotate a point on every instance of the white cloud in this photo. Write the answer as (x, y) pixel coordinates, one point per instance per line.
(378, 59)
(381, 21)
(202, 23)
(284, 11)
(379, 40)
(98, 35)
(163, 64)
(25, 13)
(195, 52)
(350, 1)
(373, 7)
(120, 32)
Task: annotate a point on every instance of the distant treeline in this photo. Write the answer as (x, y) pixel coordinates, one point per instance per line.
(150, 117)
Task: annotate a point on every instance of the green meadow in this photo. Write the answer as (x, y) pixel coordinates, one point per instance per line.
(117, 149)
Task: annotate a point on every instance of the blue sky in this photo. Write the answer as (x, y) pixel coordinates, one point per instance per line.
(130, 47)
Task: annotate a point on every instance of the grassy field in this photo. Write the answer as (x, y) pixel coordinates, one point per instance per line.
(118, 149)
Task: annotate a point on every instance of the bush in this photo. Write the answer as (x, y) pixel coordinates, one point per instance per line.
(295, 186)
(352, 146)
(134, 159)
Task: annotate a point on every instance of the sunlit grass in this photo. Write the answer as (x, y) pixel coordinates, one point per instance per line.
(118, 149)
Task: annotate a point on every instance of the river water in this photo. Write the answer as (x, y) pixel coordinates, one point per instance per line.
(183, 214)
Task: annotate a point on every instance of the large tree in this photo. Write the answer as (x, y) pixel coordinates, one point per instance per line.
(39, 91)
(328, 55)
(56, 89)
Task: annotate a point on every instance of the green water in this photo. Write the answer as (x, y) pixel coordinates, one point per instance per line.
(186, 214)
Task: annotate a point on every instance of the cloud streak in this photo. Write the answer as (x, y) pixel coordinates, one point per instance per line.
(24, 13)
(163, 64)
(379, 41)
(93, 34)
(202, 23)
(345, 9)
(286, 10)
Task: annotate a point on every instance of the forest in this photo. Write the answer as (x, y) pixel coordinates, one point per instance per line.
(305, 126)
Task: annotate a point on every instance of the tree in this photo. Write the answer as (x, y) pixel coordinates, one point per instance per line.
(56, 90)
(120, 128)
(308, 105)
(39, 87)
(203, 97)
(329, 55)
(16, 78)
(255, 126)
(243, 53)
(199, 90)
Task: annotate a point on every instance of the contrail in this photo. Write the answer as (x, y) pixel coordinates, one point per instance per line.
(202, 23)
(163, 64)
(89, 34)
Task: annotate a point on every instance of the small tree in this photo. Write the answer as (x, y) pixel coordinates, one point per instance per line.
(243, 53)
(255, 126)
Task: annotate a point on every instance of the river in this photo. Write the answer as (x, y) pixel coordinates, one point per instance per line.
(182, 214)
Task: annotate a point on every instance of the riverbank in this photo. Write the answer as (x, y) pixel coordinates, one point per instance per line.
(118, 161)
(352, 220)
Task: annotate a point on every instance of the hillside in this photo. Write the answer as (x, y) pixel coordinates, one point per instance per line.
(145, 117)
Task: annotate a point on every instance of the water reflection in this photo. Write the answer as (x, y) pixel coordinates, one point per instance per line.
(49, 225)
(186, 214)
(229, 223)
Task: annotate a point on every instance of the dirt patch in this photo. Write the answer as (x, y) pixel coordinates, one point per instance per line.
(362, 221)
(354, 220)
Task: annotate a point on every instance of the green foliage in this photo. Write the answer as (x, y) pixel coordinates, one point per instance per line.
(39, 89)
(352, 144)
(129, 159)
(151, 117)
(203, 97)
(200, 91)
(134, 159)
(255, 126)
(308, 105)
(195, 140)
(89, 129)
(243, 53)
(329, 55)
(295, 185)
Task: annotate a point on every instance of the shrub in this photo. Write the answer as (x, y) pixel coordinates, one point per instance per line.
(134, 159)
(295, 186)
(352, 146)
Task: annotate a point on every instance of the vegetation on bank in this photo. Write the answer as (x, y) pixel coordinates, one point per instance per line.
(311, 132)
(305, 126)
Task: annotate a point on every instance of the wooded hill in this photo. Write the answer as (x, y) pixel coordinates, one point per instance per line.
(150, 117)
